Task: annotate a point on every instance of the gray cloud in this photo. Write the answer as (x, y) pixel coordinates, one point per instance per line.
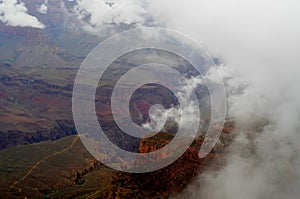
(259, 43)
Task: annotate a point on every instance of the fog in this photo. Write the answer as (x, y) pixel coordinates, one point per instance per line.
(258, 42)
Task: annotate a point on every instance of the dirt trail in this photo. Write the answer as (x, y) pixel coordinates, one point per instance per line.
(44, 159)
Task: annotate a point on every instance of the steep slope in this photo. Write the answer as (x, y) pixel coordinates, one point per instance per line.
(32, 109)
(38, 50)
(170, 180)
(64, 169)
(25, 46)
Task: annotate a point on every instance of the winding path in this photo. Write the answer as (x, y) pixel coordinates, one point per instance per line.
(44, 159)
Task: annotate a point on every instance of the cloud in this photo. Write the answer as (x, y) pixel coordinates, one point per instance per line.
(43, 8)
(95, 14)
(184, 115)
(15, 14)
(258, 41)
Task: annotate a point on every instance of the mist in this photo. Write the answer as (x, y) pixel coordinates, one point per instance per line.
(259, 45)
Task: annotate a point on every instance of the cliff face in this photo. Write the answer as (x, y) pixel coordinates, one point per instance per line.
(33, 110)
(38, 50)
(173, 178)
(35, 105)
(60, 128)
(30, 47)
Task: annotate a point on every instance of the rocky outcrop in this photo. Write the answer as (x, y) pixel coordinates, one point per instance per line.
(12, 138)
(78, 175)
(173, 178)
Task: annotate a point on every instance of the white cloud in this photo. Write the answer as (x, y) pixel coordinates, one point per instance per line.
(15, 14)
(159, 116)
(98, 13)
(43, 8)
